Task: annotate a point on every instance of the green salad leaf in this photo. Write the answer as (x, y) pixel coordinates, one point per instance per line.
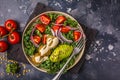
(53, 67)
(70, 22)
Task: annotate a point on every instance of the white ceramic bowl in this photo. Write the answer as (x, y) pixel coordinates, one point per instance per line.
(67, 15)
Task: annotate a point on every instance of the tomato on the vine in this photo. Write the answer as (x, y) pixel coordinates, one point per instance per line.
(3, 46)
(3, 31)
(10, 25)
(14, 37)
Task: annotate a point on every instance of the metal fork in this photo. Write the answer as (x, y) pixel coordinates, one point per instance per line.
(76, 50)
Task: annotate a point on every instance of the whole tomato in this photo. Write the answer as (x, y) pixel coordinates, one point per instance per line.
(14, 38)
(3, 46)
(3, 31)
(10, 25)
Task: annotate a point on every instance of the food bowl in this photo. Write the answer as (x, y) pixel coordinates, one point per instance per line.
(33, 22)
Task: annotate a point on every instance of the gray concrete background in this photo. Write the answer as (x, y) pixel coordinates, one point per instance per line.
(102, 61)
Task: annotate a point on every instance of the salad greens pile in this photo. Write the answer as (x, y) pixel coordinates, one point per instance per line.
(52, 67)
(29, 47)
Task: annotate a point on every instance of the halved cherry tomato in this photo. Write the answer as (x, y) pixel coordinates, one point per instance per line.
(3, 46)
(77, 35)
(45, 19)
(40, 27)
(55, 28)
(44, 39)
(60, 19)
(3, 31)
(14, 38)
(10, 25)
(65, 29)
(36, 39)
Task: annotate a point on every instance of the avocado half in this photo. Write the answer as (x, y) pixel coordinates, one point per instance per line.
(61, 52)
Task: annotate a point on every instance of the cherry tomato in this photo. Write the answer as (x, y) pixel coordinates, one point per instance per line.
(10, 25)
(60, 19)
(3, 46)
(45, 19)
(55, 28)
(77, 35)
(36, 39)
(40, 27)
(14, 38)
(44, 39)
(3, 31)
(65, 29)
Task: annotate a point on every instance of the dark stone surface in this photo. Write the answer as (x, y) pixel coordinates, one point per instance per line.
(102, 60)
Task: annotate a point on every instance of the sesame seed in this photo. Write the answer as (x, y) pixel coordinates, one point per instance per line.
(8, 73)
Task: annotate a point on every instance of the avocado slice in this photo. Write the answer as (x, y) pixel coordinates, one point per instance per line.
(61, 52)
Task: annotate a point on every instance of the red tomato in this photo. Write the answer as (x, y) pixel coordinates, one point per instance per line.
(60, 19)
(14, 38)
(45, 19)
(77, 35)
(3, 46)
(36, 39)
(44, 39)
(65, 29)
(55, 28)
(3, 31)
(40, 27)
(10, 25)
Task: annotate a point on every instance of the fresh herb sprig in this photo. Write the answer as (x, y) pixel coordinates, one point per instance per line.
(12, 68)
